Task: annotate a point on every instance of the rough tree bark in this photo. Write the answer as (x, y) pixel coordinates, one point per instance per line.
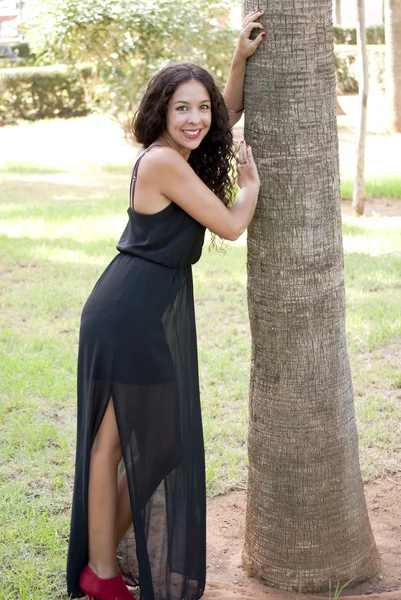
(306, 517)
(359, 192)
(393, 64)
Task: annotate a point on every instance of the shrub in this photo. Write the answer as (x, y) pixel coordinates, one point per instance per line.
(41, 92)
(347, 35)
(347, 68)
(128, 42)
(22, 49)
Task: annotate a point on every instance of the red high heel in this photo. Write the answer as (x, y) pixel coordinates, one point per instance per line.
(97, 588)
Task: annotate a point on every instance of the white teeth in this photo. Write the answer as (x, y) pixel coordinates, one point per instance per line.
(192, 133)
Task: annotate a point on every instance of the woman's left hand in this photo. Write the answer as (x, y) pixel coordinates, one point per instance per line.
(245, 46)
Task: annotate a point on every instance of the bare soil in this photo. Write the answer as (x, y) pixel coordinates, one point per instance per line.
(226, 580)
(375, 207)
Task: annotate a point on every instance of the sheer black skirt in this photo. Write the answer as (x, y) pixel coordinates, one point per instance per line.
(138, 347)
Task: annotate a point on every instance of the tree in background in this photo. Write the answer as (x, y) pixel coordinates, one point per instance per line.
(338, 12)
(359, 192)
(393, 64)
(127, 42)
(307, 520)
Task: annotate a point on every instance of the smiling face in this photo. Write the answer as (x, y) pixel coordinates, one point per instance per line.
(189, 117)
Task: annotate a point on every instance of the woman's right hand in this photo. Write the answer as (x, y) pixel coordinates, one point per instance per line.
(247, 173)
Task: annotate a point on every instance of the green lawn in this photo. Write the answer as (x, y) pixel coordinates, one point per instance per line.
(57, 233)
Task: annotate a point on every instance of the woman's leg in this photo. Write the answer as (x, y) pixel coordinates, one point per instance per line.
(159, 446)
(102, 503)
(124, 513)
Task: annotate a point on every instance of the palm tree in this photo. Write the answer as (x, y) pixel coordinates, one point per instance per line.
(359, 193)
(393, 64)
(306, 518)
(338, 12)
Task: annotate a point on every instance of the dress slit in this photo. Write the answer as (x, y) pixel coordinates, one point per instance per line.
(137, 346)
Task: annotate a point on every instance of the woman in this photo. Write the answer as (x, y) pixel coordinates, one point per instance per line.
(138, 393)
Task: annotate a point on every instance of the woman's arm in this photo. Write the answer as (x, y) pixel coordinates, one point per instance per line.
(173, 178)
(234, 91)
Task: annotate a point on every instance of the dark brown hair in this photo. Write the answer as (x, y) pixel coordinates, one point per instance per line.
(212, 161)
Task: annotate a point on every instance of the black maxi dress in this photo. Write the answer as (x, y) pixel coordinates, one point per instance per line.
(138, 347)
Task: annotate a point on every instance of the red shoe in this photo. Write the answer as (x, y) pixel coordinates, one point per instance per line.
(97, 588)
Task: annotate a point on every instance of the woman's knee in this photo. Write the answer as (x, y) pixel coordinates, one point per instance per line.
(105, 450)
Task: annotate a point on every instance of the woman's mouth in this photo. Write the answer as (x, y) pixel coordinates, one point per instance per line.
(191, 134)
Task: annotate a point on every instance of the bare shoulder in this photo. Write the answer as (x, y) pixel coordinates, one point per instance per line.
(160, 172)
(161, 160)
(167, 176)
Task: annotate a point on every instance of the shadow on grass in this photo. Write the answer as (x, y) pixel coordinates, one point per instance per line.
(45, 199)
(23, 250)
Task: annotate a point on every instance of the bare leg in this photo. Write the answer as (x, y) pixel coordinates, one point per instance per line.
(102, 503)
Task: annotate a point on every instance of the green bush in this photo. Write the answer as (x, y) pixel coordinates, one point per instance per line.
(22, 49)
(347, 68)
(127, 42)
(42, 92)
(347, 35)
(17, 54)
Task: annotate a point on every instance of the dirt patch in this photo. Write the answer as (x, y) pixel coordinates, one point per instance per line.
(226, 580)
(374, 207)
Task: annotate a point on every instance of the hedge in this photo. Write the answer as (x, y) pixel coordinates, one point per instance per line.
(41, 92)
(46, 92)
(375, 35)
(347, 68)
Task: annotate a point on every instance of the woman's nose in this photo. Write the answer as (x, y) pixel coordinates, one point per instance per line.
(194, 117)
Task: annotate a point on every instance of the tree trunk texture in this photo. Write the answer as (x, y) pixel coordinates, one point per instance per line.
(393, 64)
(338, 12)
(359, 192)
(307, 521)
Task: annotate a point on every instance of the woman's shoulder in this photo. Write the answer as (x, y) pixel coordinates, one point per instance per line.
(157, 161)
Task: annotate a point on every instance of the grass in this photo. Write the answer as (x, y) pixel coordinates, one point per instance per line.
(388, 186)
(57, 233)
(338, 590)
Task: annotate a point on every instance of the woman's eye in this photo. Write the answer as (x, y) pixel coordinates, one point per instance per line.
(185, 108)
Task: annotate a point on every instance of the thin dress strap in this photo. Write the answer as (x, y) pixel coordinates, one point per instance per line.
(135, 174)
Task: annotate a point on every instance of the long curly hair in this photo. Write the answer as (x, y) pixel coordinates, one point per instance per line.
(213, 160)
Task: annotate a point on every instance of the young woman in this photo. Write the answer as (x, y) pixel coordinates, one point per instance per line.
(138, 394)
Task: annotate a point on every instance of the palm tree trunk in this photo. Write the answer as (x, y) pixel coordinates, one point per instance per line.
(393, 64)
(338, 12)
(306, 517)
(359, 192)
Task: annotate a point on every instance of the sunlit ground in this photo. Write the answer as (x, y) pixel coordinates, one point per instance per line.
(96, 142)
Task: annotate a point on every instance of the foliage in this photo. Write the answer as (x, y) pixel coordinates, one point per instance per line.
(15, 55)
(22, 49)
(126, 43)
(46, 92)
(347, 35)
(40, 92)
(347, 68)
